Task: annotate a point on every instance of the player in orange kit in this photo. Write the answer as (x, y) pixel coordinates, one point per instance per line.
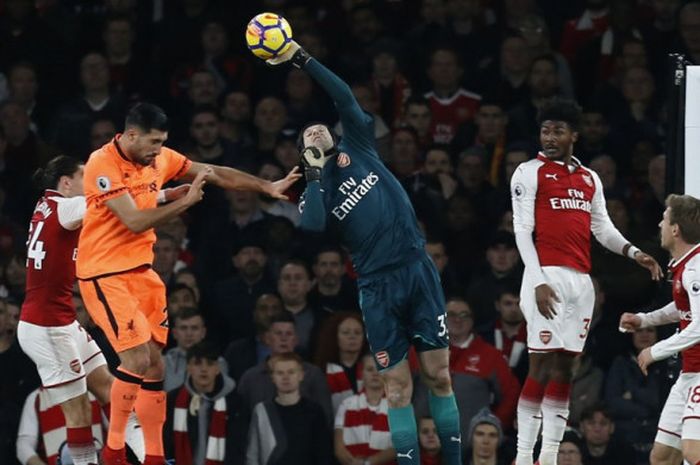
(123, 295)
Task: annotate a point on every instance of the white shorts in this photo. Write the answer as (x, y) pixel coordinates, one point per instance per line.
(680, 418)
(569, 328)
(64, 356)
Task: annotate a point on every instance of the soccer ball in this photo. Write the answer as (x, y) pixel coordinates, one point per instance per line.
(268, 35)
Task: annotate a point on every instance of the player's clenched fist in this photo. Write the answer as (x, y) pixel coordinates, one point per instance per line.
(630, 322)
(546, 297)
(196, 192)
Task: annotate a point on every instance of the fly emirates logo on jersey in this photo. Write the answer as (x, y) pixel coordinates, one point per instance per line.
(353, 192)
(575, 201)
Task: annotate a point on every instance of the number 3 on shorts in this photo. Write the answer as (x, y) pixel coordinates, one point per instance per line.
(441, 323)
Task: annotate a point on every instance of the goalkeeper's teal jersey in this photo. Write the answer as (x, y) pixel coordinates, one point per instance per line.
(362, 199)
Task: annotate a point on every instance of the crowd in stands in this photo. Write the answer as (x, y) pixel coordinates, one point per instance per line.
(267, 361)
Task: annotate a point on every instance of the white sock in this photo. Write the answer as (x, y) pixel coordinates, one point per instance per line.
(529, 422)
(555, 415)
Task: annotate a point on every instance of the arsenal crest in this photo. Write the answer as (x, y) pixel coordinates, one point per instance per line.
(587, 179)
(382, 358)
(343, 160)
(75, 365)
(545, 337)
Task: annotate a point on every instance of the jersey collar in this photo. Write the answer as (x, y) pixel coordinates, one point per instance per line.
(115, 141)
(52, 193)
(674, 264)
(576, 162)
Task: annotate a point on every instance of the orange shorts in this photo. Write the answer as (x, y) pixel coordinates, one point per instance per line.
(130, 307)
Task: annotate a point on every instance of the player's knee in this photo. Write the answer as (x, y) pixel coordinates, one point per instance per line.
(136, 360)
(440, 382)
(398, 392)
(77, 411)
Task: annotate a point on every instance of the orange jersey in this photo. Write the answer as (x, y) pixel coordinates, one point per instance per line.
(106, 245)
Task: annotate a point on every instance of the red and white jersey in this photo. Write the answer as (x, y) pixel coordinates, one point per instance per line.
(51, 253)
(685, 273)
(449, 113)
(562, 205)
(365, 427)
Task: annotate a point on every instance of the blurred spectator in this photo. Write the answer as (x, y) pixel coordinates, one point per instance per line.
(636, 400)
(451, 283)
(592, 23)
(232, 300)
(178, 230)
(246, 352)
(488, 132)
(293, 286)
(649, 202)
(127, 63)
(450, 104)
(362, 423)
(543, 84)
(485, 437)
(341, 343)
(538, 37)
(503, 270)
(186, 276)
(236, 118)
(512, 69)
(418, 115)
(207, 144)
(13, 388)
(389, 83)
(165, 252)
(431, 186)
(23, 152)
(429, 442)
(102, 132)
(23, 88)
(570, 449)
(599, 444)
(42, 434)
(189, 330)
(472, 356)
(606, 168)
(206, 420)
(594, 135)
(404, 159)
(302, 104)
(71, 124)
(586, 386)
(332, 291)
(180, 296)
(288, 425)
(270, 116)
(257, 386)
(509, 334)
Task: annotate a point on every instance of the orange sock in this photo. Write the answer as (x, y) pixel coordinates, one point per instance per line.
(150, 410)
(123, 396)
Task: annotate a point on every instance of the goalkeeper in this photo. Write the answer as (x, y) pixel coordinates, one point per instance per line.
(350, 189)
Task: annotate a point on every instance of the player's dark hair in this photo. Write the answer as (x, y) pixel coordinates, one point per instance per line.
(146, 117)
(548, 57)
(205, 108)
(297, 262)
(559, 109)
(685, 212)
(300, 137)
(48, 176)
(284, 316)
(589, 412)
(203, 350)
(187, 312)
(329, 248)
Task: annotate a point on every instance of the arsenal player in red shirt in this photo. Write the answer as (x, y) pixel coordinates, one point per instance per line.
(678, 436)
(559, 203)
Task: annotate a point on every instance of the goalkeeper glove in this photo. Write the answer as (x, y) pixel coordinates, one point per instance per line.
(313, 160)
(296, 55)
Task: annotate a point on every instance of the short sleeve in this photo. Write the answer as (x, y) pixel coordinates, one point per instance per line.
(103, 180)
(71, 212)
(174, 164)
